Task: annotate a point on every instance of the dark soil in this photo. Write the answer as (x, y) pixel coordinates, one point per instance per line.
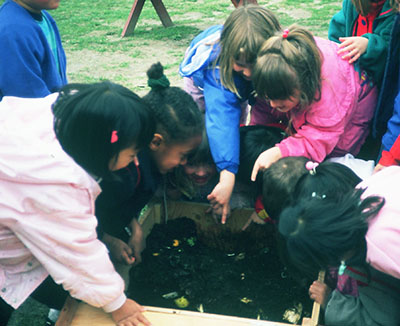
(237, 274)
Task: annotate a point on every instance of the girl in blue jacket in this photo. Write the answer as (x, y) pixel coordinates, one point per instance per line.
(217, 70)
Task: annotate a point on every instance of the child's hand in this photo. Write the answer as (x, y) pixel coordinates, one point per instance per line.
(217, 213)
(119, 251)
(379, 167)
(221, 194)
(264, 160)
(136, 241)
(319, 292)
(130, 314)
(353, 46)
(253, 218)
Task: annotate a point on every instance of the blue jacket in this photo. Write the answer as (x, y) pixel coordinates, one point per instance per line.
(223, 109)
(27, 64)
(387, 114)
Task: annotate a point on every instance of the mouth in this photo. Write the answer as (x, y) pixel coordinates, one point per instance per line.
(200, 180)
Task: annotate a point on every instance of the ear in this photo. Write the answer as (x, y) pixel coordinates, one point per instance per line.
(156, 142)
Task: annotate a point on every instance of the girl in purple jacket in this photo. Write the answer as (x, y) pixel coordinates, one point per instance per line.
(328, 106)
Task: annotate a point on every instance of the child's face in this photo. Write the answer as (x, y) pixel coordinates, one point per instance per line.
(123, 159)
(169, 156)
(284, 105)
(200, 174)
(38, 5)
(242, 68)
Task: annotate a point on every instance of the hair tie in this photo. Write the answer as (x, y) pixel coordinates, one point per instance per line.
(158, 84)
(285, 33)
(114, 137)
(311, 167)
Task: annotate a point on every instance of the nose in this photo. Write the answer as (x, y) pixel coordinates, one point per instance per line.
(246, 72)
(273, 103)
(201, 172)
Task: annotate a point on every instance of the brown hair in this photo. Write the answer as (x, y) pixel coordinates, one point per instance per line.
(245, 30)
(288, 63)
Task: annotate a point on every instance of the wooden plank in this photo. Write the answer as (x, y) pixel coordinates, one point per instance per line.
(133, 18)
(238, 3)
(88, 316)
(314, 320)
(68, 312)
(136, 11)
(162, 13)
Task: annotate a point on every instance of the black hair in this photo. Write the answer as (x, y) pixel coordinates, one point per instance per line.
(202, 154)
(253, 141)
(330, 180)
(322, 232)
(177, 116)
(87, 115)
(279, 183)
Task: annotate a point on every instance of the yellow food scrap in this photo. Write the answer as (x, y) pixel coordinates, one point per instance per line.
(181, 302)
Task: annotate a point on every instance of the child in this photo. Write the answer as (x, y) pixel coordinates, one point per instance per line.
(178, 130)
(362, 28)
(196, 179)
(281, 178)
(328, 105)
(199, 176)
(217, 67)
(54, 151)
(387, 116)
(358, 234)
(32, 58)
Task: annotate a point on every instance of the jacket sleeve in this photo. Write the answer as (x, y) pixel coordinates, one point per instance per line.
(318, 132)
(391, 157)
(20, 64)
(393, 126)
(222, 122)
(373, 59)
(58, 228)
(337, 25)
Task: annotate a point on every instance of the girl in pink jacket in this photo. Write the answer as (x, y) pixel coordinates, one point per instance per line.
(53, 153)
(327, 104)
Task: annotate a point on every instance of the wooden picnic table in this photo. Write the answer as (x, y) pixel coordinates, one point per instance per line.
(161, 12)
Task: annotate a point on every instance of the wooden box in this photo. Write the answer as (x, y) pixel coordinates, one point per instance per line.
(81, 314)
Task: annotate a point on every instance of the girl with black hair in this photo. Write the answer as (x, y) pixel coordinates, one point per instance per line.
(357, 233)
(178, 131)
(54, 151)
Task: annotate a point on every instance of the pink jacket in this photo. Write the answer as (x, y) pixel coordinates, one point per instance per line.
(383, 236)
(339, 122)
(47, 221)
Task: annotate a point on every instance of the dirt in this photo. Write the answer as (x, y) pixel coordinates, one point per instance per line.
(236, 274)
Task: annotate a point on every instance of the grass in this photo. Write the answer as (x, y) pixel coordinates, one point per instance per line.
(91, 33)
(95, 51)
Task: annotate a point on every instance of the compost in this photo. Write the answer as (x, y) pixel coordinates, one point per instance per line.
(217, 271)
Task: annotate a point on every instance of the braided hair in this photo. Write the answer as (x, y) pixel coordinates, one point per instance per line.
(177, 116)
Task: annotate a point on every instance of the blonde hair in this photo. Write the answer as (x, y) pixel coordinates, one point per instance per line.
(245, 30)
(288, 63)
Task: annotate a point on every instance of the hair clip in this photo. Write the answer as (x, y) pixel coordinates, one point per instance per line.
(114, 137)
(315, 195)
(311, 167)
(285, 33)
